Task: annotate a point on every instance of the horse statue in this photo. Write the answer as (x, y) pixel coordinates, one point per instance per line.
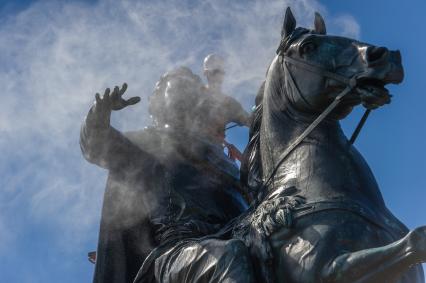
(319, 215)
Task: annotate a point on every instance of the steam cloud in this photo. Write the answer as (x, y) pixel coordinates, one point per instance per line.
(56, 56)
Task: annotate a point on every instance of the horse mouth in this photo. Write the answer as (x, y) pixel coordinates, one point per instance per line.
(373, 86)
(373, 92)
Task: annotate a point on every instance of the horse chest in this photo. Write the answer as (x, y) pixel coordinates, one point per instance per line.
(330, 171)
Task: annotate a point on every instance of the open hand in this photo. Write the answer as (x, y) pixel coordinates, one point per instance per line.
(114, 100)
(100, 114)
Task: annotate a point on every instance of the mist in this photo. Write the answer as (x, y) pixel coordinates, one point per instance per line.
(56, 56)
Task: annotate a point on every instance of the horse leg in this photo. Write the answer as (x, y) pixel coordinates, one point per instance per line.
(343, 247)
(382, 264)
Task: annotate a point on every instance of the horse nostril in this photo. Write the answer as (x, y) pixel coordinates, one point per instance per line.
(375, 53)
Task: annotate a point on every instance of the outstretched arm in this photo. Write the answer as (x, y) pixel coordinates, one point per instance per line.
(100, 143)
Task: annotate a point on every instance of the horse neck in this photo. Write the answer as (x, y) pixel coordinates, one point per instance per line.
(282, 123)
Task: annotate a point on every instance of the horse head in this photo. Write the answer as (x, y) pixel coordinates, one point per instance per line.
(317, 67)
(310, 71)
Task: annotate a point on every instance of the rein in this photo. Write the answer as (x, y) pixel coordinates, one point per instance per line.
(350, 85)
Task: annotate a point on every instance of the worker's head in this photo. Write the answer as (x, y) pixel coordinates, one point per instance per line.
(214, 70)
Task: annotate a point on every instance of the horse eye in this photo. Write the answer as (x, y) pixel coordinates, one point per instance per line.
(307, 47)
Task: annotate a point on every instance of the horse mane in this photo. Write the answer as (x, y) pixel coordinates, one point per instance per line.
(251, 167)
(251, 175)
(251, 172)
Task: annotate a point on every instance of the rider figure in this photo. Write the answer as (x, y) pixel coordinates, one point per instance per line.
(168, 188)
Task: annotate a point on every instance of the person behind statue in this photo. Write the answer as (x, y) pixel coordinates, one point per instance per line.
(221, 109)
(168, 185)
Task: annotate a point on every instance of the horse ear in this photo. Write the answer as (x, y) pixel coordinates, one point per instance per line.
(289, 23)
(319, 24)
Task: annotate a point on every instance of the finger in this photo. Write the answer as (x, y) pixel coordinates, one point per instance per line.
(106, 93)
(98, 98)
(115, 92)
(123, 89)
(133, 100)
(106, 98)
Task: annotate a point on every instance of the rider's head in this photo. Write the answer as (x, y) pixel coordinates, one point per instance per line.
(174, 96)
(214, 70)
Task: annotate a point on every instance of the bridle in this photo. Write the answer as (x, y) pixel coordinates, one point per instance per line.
(350, 83)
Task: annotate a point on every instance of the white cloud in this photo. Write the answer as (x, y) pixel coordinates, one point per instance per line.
(57, 55)
(347, 26)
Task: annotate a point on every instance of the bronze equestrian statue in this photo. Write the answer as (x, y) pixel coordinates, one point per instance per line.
(173, 200)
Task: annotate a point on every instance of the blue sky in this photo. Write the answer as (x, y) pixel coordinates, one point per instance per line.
(55, 55)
